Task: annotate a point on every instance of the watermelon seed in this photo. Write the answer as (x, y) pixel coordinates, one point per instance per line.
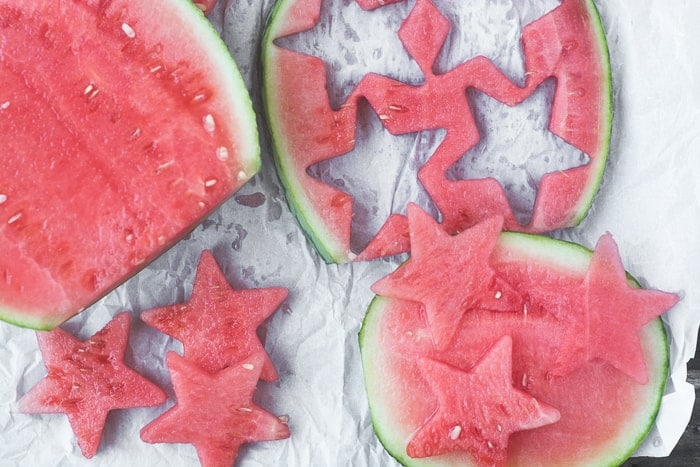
(210, 183)
(384, 117)
(3, 198)
(242, 175)
(5, 105)
(397, 108)
(248, 366)
(135, 134)
(128, 30)
(164, 166)
(162, 239)
(14, 218)
(155, 69)
(88, 89)
(489, 444)
(499, 428)
(284, 419)
(222, 155)
(209, 123)
(201, 204)
(245, 409)
(498, 295)
(455, 432)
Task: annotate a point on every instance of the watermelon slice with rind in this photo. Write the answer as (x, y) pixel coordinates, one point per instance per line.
(568, 44)
(88, 379)
(604, 413)
(118, 138)
(218, 325)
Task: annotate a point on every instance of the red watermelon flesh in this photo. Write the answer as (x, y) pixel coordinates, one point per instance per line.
(217, 325)
(86, 380)
(117, 139)
(605, 412)
(215, 412)
(567, 44)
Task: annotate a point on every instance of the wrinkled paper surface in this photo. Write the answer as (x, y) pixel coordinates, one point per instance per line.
(649, 200)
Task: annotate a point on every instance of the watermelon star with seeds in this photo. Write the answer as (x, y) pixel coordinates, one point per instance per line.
(215, 412)
(217, 326)
(449, 274)
(603, 315)
(86, 380)
(477, 410)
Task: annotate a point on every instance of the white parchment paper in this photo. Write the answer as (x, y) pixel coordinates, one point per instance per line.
(649, 200)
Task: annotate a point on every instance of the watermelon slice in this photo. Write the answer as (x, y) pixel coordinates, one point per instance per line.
(217, 326)
(118, 137)
(605, 407)
(215, 412)
(567, 44)
(86, 380)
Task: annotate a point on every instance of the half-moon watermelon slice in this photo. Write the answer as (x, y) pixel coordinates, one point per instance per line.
(123, 124)
(605, 407)
(567, 44)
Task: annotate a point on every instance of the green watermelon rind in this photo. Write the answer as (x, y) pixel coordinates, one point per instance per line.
(249, 155)
(559, 254)
(313, 225)
(607, 113)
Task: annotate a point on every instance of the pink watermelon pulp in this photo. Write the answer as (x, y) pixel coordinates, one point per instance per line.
(567, 44)
(123, 123)
(215, 412)
(605, 410)
(217, 325)
(86, 380)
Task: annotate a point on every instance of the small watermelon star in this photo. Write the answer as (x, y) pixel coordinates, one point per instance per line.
(88, 379)
(217, 326)
(603, 315)
(215, 412)
(477, 410)
(465, 283)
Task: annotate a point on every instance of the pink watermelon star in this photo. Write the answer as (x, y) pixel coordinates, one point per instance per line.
(215, 412)
(449, 274)
(477, 410)
(603, 315)
(88, 379)
(217, 326)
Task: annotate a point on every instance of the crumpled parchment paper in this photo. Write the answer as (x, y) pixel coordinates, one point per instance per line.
(649, 200)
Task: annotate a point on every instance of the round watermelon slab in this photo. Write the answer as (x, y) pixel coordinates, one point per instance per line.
(567, 44)
(573, 377)
(123, 124)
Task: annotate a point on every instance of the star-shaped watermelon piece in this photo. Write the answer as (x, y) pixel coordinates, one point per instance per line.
(218, 325)
(477, 410)
(87, 379)
(215, 412)
(449, 274)
(603, 315)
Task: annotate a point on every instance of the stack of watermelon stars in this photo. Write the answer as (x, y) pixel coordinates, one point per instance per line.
(214, 382)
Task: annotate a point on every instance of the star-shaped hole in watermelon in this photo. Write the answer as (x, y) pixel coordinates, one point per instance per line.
(88, 379)
(215, 412)
(449, 274)
(489, 29)
(602, 316)
(380, 173)
(345, 38)
(516, 148)
(218, 325)
(477, 410)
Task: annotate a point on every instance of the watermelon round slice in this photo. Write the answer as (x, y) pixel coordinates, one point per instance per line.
(590, 377)
(123, 123)
(566, 44)
(86, 380)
